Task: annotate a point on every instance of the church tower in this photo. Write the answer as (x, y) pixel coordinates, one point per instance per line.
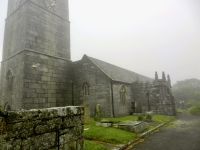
(36, 55)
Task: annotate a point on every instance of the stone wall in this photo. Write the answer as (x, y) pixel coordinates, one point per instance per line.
(37, 50)
(119, 108)
(14, 96)
(86, 71)
(48, 32)
(33, 26)
(48, 84)
(42, 129)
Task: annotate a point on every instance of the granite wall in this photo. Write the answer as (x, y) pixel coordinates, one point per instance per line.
(37, 51)
(86, 71)
(42, 129)
(121, 109)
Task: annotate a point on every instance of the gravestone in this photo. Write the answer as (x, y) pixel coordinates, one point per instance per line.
(133, 126)
(86, 107)
(149, 116)
(97, 113)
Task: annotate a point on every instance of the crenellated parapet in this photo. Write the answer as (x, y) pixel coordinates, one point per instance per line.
(154, 95)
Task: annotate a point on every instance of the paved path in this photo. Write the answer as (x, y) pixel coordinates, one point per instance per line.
(183, 135)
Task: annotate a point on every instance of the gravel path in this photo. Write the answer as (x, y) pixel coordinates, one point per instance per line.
(183, 135)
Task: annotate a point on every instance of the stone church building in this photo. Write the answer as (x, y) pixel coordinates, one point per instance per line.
(37, 71)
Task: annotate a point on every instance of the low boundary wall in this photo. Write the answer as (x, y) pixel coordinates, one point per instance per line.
(42, 129)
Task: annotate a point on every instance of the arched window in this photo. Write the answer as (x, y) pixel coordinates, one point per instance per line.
(86, 89)
(9, 78)
(122, 95)
(7, 107)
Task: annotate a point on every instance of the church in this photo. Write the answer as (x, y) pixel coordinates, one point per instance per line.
(37, 70)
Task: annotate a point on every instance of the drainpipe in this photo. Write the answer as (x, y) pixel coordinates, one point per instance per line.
(148, 100)
(113, 110)
(72, 82)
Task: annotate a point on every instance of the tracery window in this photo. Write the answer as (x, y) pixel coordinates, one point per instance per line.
(9, 78)
(86, 89)
(122, 95)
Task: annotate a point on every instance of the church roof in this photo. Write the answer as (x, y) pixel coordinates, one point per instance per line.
(118, 74)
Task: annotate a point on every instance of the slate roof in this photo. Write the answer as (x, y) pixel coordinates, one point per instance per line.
(118, 74)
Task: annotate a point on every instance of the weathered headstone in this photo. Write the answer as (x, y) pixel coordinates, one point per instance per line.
(86, 107)
(133, 126)
(97, 113)
(149, 116)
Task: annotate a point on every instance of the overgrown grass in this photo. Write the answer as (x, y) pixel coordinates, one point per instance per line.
(90, 145)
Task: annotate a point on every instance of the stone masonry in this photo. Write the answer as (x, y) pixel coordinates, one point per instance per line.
(36, 60)
(42, 129)
(99, 86)
(37, 71)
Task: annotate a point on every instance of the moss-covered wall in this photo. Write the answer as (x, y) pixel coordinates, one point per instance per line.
(42, 129)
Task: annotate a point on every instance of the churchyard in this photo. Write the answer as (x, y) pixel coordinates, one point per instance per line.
(99, 137)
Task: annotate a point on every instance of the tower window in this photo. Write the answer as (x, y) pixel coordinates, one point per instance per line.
(122, 95)
(9, 78)
(86, 89)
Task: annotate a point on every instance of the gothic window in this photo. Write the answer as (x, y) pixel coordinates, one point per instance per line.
(9, 78)
(86, 89)
(122, 95)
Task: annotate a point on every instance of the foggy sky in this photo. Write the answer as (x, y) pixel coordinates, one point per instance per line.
(143, 36)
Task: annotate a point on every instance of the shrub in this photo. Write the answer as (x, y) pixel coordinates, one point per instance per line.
(195, 110)
(140, 118)
(191, 103)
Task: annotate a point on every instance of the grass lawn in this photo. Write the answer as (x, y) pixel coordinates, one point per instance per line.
(108, 135)
(161, 118)
(91, 145)
(121, 119)
(179, 110)
(114, 135)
